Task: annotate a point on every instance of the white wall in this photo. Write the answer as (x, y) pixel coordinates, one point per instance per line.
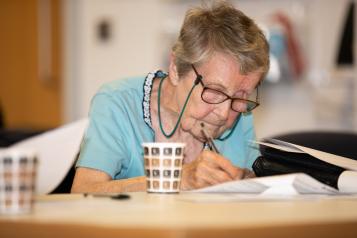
(144, 30)
(89, 62)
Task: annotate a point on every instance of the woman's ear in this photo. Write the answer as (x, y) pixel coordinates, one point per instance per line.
(173, 74)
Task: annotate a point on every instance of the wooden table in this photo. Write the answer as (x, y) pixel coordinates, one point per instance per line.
(184, 215)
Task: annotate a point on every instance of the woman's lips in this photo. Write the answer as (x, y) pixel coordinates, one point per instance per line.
(213, 125)
(212, 130)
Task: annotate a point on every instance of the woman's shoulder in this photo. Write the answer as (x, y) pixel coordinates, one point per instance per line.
(134, 84)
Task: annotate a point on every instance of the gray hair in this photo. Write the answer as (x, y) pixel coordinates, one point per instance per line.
(220, 28)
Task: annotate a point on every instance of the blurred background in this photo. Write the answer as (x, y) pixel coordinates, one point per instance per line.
(54, 55)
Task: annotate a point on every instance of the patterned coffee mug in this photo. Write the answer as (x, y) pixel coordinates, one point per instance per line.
(17, 180)
(163, 166)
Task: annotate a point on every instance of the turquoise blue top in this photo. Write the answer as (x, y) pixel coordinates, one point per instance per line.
(120, 122)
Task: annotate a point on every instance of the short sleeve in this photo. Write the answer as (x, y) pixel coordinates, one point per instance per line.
(103, 147)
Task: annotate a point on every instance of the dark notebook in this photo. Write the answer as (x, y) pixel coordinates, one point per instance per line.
(277, 162)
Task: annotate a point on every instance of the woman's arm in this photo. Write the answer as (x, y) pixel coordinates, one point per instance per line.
(88, 180)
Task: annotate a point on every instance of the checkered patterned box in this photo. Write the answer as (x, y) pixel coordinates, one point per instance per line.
(17, 180)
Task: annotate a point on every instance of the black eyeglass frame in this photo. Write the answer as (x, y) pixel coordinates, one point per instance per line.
(199, 80)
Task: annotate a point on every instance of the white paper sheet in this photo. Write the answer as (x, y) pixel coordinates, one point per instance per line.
(249, 197)
(280, 147)
(56, 151)
(242, 186)
(289, 184)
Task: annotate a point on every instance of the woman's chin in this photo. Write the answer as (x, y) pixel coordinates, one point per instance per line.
(215, 131)
(212, 130)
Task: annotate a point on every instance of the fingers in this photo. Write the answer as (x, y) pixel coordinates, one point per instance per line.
(222, 163)
(209, 169)
(208, 175)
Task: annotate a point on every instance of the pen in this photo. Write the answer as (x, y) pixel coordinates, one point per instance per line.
(208, 139)
(119, 196)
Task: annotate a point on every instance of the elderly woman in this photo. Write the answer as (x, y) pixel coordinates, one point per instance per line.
(216, 66)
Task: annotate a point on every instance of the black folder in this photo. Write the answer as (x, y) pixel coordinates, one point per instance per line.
(277, 162)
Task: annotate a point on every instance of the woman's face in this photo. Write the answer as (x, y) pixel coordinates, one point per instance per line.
(221, 72)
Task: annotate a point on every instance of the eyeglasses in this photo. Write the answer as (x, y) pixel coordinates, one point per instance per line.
(214, 96)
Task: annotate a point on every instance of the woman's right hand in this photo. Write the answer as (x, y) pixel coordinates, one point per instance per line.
(207, 169)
